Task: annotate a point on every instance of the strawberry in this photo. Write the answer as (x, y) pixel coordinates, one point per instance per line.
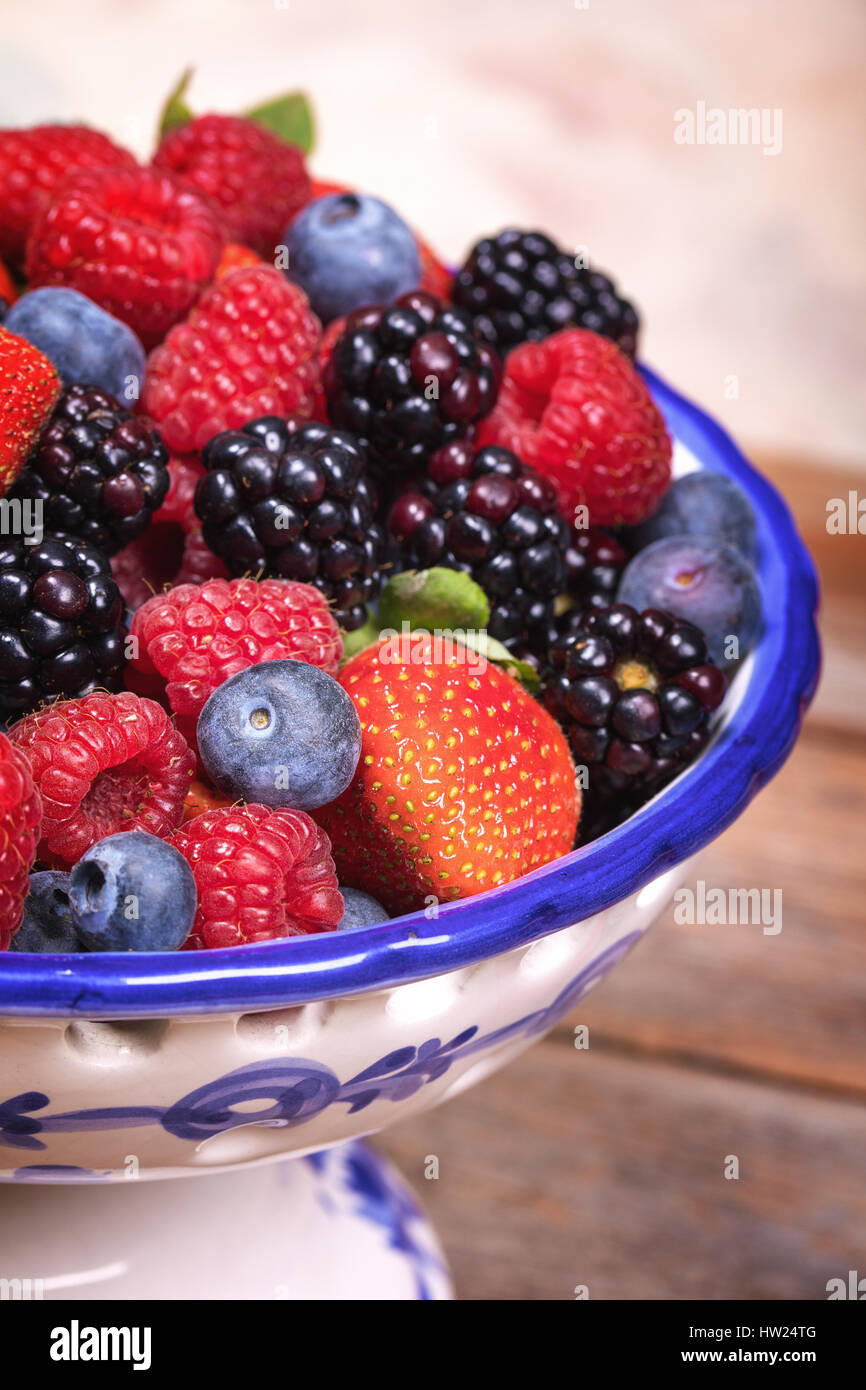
(29, 387)
(464, 782)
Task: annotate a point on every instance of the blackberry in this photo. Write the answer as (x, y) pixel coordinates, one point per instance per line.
(62, 622)
(520, 287)
(488, 514)
(408, 379)
(633, 693)
(294, 501)
(99, 473)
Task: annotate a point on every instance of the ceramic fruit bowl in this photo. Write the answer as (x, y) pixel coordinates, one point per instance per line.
(176, 1064)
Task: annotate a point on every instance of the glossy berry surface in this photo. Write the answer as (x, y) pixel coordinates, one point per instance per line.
(20, 821)
(281, 733)
(132, 892)
(261, 875)
(703, 581)
(62, 626)
(99, 472)
(32, 164)
(575, 408)
(138, 242)
(464, 782)
(47, 925)
(702, 503)
(486, 513)
(247, 349)
(198, 635)
(361, 910)
(347, 250)
(633, 692)
(29, 387)
(103, 764)
(172, 550)
(520, 287)
(408, 379)
(85, 344)
(256, 181)
(294, 501)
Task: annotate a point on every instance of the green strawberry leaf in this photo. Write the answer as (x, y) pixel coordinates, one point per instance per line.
(494, 651)
(175, 113)
(290, 117)
(435, 598)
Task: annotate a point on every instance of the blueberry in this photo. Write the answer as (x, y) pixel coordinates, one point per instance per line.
(348, 250)
(361, 910)
(132, 892)
(86, 344)
(282, 733)
(703, 581)
(47, 924)
(702, 504)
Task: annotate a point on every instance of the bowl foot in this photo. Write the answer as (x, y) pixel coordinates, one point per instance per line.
(337, 1225)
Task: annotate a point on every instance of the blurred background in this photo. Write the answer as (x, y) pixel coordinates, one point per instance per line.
(604, 1167)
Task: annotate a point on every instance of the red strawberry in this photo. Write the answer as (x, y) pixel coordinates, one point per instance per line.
(247, 349)
(257, 181)
(464, 783)
(138, 242)
(29, 387)
(33, 162)
(575, 408)
(235, 257)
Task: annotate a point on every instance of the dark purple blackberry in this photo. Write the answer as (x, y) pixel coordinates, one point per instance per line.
(99, 473)
(633, 693)
(62, 623)
(408, 379)
(520, 287)
(495, 518)
(293, 500)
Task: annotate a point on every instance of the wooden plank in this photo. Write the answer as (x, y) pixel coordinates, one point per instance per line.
(586, 1168)
(791, 1005)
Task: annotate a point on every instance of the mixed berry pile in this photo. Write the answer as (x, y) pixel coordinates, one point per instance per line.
(331, 582)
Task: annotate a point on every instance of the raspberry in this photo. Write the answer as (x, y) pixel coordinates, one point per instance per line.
(256, 181)
(20, 817)
(103, 764)
(99, 473)
(135, 241)
(248, 348)
(196, 636)
(519, 287)
(33, 162)
(29, 386)
(172, 550)
(260, 874)
(576, 409)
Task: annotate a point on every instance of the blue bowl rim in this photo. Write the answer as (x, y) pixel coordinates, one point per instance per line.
(750, 748)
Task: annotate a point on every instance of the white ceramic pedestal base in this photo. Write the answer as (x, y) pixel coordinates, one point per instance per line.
(339, 1225)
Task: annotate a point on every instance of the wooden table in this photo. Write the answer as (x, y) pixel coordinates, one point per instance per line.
(607, 1167)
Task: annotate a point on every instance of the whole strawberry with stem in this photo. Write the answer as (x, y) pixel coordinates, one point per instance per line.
(465, 783)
